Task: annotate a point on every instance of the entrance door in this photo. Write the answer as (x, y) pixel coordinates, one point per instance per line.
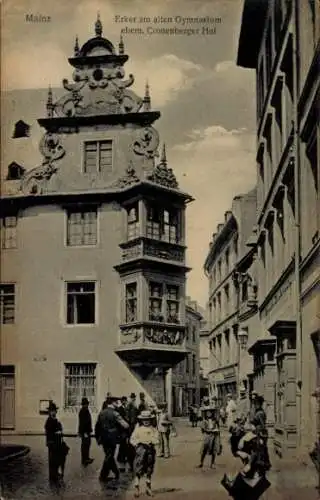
(7, 389)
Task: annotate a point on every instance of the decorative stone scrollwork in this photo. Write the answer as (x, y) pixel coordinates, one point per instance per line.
(99, 90)
(157, 336)
(34, 181)
(132, 252)
(51, 148)
(130, 336)
(128, 179)
(155, 249)
(147, 142)
(163, 175)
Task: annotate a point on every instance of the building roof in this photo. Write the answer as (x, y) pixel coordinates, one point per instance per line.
(252, 24)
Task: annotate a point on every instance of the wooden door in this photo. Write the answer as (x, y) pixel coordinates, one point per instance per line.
(7, 388)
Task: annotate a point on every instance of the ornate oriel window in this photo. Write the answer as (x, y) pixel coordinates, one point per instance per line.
(8, 232)
(7, 304)
(164, 302)
(133, 221)
(97, 156)
(155, 302)
(163, 224)
(82, 227)
(170, 226)
(131, 302)
(172, 304)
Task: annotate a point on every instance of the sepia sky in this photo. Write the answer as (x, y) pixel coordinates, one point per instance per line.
(207, 104)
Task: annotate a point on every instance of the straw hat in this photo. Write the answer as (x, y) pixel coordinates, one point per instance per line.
(145, 415)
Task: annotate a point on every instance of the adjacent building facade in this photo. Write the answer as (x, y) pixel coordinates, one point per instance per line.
(93, 268)
(186, 374)
(227, 248)
(282, 46)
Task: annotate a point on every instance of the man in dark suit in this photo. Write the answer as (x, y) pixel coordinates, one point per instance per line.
(142, 405)
(123, 438)
(85, 431)
(109, 426)
(132, 419)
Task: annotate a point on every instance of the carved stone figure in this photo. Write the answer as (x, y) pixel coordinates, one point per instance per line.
(147, 142)
(163, 175)
(128, 179)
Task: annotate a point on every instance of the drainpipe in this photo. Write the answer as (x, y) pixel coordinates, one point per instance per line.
(296, 158)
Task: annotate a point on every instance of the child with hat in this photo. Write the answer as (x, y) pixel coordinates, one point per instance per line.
(144, 438)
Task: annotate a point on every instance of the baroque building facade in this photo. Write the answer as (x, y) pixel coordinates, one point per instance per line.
(282, 46)
(227, 248)
(186, 374)
(93, 264)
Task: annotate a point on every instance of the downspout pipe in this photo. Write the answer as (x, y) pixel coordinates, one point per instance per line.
(296, 159)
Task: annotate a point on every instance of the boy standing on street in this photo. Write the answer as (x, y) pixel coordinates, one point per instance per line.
(85, 431)
(144, 438)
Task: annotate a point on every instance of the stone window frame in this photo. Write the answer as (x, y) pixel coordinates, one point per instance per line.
(82, 227)
(100, 167)
(9, 231)
(7, 303)
(80, 380)
(74, 296)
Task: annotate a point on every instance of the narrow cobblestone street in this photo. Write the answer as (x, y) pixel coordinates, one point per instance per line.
(176, 478)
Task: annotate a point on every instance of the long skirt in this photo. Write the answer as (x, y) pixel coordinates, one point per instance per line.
(144, 460)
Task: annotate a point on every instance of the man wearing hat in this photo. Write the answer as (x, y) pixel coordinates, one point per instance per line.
(132, 419)
(53, 430)
(211, 434)
(108, 427)
(243, 407)
(85, 431)
(260, 423)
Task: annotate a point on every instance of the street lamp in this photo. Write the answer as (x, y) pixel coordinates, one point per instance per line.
(243, 338)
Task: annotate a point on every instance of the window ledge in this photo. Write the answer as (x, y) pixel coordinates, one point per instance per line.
(81, 325)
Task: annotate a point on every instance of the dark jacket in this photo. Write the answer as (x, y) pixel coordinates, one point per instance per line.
(260, 422)
(132, 415)
(85, 422)
(109, 426)
(52, 427)
(142, 406)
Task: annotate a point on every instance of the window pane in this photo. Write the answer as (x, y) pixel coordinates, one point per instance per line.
(80, 381)
(81, 303)
(82, 228)
(90, 157)
(105, 156)
(9, 232)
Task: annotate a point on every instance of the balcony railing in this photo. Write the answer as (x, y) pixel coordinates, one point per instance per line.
(144, 247)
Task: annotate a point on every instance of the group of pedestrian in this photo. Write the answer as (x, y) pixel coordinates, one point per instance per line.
(248, 440)
(129, 434)
(250, 422)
